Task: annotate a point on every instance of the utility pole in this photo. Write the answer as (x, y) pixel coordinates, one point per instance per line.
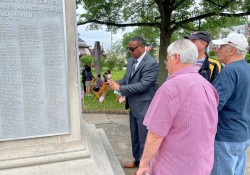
(111, 40)
(97, 57)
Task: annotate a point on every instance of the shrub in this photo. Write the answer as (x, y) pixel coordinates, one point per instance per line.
(110, 61)
(102, 61)
(247, 57)
(212, 53)
(120, 63)
(86, 59)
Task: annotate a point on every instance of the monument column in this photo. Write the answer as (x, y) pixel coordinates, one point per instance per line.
(41, 127)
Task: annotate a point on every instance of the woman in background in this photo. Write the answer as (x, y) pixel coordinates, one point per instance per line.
(88, 80)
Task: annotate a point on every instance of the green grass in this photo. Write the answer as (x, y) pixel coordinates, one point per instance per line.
(116, 75)
(108, 105)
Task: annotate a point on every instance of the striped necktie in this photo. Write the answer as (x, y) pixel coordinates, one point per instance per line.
(133, 68)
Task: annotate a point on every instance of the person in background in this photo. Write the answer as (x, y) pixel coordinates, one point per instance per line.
(105, 77)
(233, 86)
(207, 67)
(84, 77)
(98, 83)
(139, 86)
(88, 80)
(109, 76)
(180, 138)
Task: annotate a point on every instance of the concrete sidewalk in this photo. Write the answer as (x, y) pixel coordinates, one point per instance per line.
(116, 127)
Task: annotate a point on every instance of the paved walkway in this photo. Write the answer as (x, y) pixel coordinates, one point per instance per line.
(248, 162)
(116, 127)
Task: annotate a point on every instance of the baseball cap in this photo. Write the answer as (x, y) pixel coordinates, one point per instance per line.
(202, 35)
(234, 39)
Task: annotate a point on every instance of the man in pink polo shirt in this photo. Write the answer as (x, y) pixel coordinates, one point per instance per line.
(181, 120)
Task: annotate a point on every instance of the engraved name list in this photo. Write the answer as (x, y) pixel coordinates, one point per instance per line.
(33, 69)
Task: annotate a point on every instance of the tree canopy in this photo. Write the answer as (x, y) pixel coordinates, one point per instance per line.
(168, 16)
(148, 33)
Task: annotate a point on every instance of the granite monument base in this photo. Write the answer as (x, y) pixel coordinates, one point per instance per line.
(91, 157)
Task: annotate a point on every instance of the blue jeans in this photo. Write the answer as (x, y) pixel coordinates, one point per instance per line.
(229, 158)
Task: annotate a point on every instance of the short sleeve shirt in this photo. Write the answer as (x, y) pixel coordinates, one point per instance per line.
(233, 87)
(184, 112)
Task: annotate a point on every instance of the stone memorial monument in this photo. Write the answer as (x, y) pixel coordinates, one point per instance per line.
(41, 126)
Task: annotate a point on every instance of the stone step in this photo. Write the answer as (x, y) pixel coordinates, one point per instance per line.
(110, 153)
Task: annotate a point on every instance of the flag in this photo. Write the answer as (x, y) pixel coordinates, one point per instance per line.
(82, 93)
(101, 99)
(122, 99)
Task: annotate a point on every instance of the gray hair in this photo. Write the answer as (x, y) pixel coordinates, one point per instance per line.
(186, 49)
(238, 52)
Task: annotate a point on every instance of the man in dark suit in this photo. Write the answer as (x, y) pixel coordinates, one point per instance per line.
(139, 86)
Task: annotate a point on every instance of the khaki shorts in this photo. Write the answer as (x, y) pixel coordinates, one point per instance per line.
(87, 83)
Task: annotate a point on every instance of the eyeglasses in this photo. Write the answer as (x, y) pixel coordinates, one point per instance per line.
(132, 49)
(217, 47)
(166, 60)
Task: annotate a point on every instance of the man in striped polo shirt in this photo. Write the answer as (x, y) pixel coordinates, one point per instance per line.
(207, 67)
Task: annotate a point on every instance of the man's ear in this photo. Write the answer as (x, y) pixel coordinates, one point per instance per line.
(177, 58)
(232, 50)
(204, 43)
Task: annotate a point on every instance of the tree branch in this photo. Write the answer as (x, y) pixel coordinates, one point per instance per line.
(118, 25)
(188, 28)
(177, 25)
(215, 14)
(158, 17)
(216, 4)
(160, 6)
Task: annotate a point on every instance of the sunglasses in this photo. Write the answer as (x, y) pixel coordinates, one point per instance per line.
(132, 49)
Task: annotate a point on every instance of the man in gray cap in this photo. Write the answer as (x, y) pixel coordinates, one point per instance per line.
(207, 67)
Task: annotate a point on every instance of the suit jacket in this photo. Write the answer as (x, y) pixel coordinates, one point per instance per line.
(141, 87)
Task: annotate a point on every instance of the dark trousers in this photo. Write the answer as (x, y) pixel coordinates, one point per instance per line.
(83, 84)
(138, 136)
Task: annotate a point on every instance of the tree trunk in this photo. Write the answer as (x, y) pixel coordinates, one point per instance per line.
(164, 43)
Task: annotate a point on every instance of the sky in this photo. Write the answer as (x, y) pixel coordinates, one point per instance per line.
(90, 36)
